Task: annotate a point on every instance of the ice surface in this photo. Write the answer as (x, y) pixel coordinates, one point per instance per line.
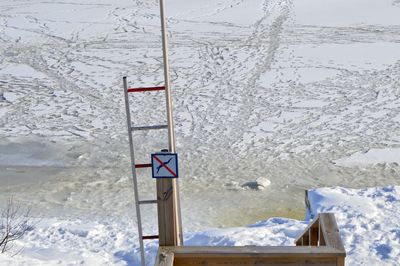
(345, 13)
(280, 90)
(371, 157)
(22, 71)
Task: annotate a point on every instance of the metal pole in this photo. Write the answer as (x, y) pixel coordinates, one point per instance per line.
(171, 133)
(134, 178)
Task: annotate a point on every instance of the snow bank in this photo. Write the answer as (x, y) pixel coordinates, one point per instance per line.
(367, 219)
(73, 242)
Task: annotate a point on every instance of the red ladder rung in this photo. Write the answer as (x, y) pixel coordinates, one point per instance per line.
(146, 89)
(143, 165)
(149, 237)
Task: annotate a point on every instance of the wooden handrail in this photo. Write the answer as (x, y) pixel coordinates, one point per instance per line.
(322, 231)
(319, 244)
(313, 230)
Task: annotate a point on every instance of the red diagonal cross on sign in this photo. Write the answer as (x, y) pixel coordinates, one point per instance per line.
(164, 165)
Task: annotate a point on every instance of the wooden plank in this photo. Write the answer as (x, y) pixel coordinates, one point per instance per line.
(164, 257)
(169, 222)
(254, 261)
(252, 255)
(314, 223)
(314, 236)
(306, 240)
(330, 231)
(254, 251)
(165, 208)
(321, 237)
(340, 261)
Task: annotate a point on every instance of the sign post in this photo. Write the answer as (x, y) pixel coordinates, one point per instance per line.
(168, 204)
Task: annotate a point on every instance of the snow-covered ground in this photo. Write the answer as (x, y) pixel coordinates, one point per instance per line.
(300, 93)
(368, 221)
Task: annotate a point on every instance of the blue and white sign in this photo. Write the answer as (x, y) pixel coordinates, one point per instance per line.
(164, 165)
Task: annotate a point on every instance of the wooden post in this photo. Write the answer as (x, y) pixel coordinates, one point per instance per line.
(168, 206)
(164, 257)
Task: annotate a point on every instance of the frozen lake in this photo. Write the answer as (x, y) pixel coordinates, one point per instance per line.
(303, 97)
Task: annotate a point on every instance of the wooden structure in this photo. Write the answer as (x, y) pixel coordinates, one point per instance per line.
(168, 203)
(320, 244)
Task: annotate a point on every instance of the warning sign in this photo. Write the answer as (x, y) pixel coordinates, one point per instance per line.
(164, 165)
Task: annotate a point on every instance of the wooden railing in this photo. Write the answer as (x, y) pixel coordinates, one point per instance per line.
(320, 244)
(323, 232)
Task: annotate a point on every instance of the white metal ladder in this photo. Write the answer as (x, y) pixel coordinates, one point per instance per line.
(131, 129)
(168, 205)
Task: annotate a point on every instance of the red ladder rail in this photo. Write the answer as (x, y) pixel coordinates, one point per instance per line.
(143, 165)
(150, 237)
(161, 88)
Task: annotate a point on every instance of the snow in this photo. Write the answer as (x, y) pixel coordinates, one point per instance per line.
(356, 56)
(271, 97)
(367, 219)
(371, 157)
(342, 12)
(23, 71)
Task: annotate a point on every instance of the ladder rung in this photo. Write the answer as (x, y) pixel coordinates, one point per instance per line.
(161, 88)
(143, 165)
(149, 237)
(149, 127)
(147, 201)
